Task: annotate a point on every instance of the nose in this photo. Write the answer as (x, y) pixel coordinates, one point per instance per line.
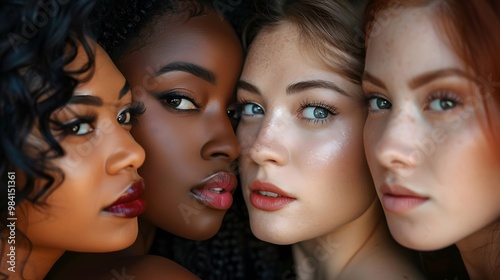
(221, 141)
(396, 145)
(269, 145)
(126, 153)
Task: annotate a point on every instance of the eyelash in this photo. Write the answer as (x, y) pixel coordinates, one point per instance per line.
(171, 95)
(332, 111)
(240, 105)
(444, 94)
(135, 109)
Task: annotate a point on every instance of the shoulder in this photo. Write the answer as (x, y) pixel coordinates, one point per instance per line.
(113, 266)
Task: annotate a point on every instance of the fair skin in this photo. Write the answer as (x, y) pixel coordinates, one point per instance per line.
(95, 208)
(430, 152)
(301, 138)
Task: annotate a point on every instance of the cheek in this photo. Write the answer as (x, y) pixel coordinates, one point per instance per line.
(247, 134)
(371, 136)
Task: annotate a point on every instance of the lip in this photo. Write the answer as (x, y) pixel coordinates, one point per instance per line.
(276, 200)
(130, 204)
(216, 190)
(399, 199)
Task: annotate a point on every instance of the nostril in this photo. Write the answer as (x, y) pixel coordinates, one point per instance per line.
(219, 155)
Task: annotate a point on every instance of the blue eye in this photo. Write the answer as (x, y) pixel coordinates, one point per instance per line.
(314, 112)
(376, 103)
(251, 109)
(442, 104)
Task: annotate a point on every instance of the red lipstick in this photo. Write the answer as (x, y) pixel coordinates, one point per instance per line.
(130, 204)
(268, 197)
(398, 199)
(216, 190)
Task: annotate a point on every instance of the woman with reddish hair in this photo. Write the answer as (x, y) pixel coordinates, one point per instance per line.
(431, 82)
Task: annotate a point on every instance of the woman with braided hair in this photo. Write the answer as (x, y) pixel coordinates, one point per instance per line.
(183, 60)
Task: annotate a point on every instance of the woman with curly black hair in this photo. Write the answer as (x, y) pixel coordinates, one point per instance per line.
(68, 163)
(183, 61)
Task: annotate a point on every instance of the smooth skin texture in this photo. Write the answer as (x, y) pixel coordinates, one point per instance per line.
(100, 164)
(186, 130)
(301, 130)
(426, 132)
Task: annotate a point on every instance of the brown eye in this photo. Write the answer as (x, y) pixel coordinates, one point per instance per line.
(124, 117)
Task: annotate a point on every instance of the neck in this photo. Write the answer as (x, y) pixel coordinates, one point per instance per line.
(30, 262)
(328, 256)
(144, 239)
(480, 252)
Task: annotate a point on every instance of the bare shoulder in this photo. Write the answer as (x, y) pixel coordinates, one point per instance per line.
(113, 266)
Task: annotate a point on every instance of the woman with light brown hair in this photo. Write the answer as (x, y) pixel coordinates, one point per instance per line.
(303, 170)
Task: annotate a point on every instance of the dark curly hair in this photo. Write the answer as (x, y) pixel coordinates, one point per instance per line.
(233, 253)
(38, 39)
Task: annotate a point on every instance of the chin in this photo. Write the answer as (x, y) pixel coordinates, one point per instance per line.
(201, 227)
(416, 242)
(271, 236)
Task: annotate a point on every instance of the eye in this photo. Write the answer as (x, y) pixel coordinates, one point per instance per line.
(250, 109)
(124, 117)
(181, 103)
(128, 115)
(442, 104)
(177, 102)
(78, 127)
(315, 113)
(376, 103)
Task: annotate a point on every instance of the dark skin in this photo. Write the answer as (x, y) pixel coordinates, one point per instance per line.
(185, 75)
(187, 138)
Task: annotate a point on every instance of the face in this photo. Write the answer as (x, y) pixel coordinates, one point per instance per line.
(302, 165)
(95, 208)
(426, 141)
(186, 77)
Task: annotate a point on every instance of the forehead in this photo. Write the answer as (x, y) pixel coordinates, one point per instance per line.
(279, 48)
(411, 41)
(278, 58)
(195, 39)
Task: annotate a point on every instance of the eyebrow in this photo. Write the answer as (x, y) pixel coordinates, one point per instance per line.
(374, 80)
(86, 100)
(422, 79)
(248, 87)
(305, 85)
(434, 75)
(124, 90)
(193, 69)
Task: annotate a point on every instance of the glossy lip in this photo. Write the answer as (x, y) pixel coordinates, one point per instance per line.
(130, 204)
(399, 199)
(266, 202)
(216, 190)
